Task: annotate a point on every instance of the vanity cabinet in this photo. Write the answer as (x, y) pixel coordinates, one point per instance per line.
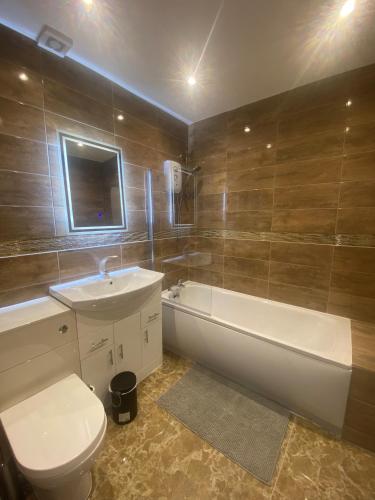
(110, 343)
(128, 344)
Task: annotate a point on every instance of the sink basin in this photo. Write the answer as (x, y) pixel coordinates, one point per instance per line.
(121, 289)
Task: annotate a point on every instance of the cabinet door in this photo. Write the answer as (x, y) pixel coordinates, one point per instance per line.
(128, 344)
(98, 370)
(152, 344)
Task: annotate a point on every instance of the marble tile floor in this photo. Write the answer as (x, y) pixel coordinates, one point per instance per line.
(156, 457)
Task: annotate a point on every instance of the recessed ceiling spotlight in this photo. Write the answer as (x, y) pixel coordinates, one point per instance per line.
(23, 77)
(88, 4)
(191, 80)
(120, 117)
(348, 103)
(247, 129)
(80, 144)
(347, 8)
(269, 146)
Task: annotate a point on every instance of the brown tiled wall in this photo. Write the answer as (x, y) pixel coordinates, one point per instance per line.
(63, 95)
(287, 211)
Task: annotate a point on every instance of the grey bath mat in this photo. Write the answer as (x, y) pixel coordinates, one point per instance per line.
(241, 424)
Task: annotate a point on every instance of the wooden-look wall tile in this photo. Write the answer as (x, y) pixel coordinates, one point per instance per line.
(247, 249)
(16, 295)
(133, 252)
(354, 259)
(21, 120)
(135, 129)
(357, 194)
(353, 283)
(206, 277)
(211, 164)
(242, 284)
(23, 155)
(318, 220)
(137, 154)
(359, 438)
(212, 245)
(257, 157)
(81, 262)
(298, 296)
(211, 202)
(360, 416)
(246, 267)
(19, 49)
(12, 87)
(255, 113)
(313, 121)
(329, 91)
(316, 146)
(351, 306)
(297, 275)
(136, 220)
(244, 180)
(17, 188)
(260, 220)
(356, 220)
(308, 196)
(27, 270)
(302, 254)
(161, 201)
(212, 219)
(308, 172)
(24, 223)
(130, 103)
(211, 184)
(360, 138)
(135, 199)
(55, 123)
(362, 384)
(161, 221)
(362, 109)
(166, 247)
(67, 102)
(259, 136)
(257, 199)
(359, 167)
(363, 353)
(76, 76)
(206, 261)
(134, 176)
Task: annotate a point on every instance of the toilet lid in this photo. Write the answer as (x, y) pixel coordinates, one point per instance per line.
(56, 428)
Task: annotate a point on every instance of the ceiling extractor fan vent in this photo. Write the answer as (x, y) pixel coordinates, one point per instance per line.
(54, 41)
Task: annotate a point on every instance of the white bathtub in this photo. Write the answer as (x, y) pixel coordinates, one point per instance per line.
(298, 357)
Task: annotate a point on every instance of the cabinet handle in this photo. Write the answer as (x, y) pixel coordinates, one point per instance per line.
(111, 357)
(153, 316)
(98, 345)
(121, 351)
(146, 336)
(63, 328)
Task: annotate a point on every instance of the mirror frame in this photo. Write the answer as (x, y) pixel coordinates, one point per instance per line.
(172, 203)
(63, 138)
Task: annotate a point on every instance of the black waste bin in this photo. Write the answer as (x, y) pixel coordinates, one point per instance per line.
(123, 389)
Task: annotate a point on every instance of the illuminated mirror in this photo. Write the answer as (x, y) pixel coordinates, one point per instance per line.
(93, 185)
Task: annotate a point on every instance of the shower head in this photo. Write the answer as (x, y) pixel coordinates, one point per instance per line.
(195, 169)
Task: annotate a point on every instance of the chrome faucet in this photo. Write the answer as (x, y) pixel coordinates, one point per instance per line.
(176, 289)
(102, 265)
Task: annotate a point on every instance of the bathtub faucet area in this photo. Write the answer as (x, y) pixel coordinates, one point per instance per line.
(175, 290)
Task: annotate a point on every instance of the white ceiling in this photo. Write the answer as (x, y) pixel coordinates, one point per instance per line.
(258, 47)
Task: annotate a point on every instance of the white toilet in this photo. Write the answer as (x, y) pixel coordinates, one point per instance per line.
(55, 436)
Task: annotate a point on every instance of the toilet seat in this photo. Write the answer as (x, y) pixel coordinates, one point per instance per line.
(54, 431)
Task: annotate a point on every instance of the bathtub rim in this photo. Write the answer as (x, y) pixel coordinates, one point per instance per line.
(207, 316)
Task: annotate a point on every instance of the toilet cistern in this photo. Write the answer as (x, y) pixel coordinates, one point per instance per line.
(102, 265)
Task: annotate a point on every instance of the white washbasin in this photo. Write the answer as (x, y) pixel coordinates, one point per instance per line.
(126, 287)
